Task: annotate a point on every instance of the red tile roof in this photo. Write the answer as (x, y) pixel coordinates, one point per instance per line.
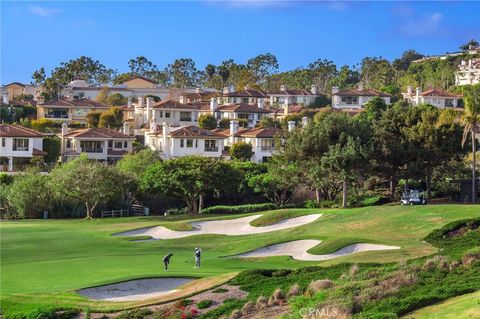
(244, 108)
(170, 104)
(435, 92)
(261, 132)
(364, 92)
(247, 93)
(7, 130)
(143, 78)
(37, 152)
(292, 92)
(101, 133)
(74, 103)
(194, 131)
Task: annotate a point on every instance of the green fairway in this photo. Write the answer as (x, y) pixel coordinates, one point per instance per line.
(461, 307)
(44, 262)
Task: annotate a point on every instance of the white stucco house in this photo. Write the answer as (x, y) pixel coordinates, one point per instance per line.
(174, 142)
(246, 96)
(292, 97)
(98, 143)
(468, 72)
(356, 98)
(18, 146)
(433, 97)
(253, 113)
(69, 109)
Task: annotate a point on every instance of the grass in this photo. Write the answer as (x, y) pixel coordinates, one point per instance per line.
(462, 307)
(43, 263)
(275, 216)
(204, 304)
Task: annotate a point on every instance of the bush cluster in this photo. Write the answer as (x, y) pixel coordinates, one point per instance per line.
(239, 209)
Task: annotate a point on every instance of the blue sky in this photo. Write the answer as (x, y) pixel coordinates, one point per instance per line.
(36, 34)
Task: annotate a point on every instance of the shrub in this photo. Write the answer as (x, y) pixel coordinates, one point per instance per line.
(295, 290)
(238, 209)
(261, 303)
(471, 256)
(204, 304)
(277, 298)
(185, 302)
(236, 314)
(318, 285)
(176, 211)
(135, 314)
(248, 308)
(207, 121)
(219, 290)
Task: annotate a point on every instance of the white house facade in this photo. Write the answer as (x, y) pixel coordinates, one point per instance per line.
(468, 72)
(293, 97)
(356, 98)
(18, 145)
(433, 97)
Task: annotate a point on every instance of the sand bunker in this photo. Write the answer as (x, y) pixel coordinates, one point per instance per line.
(232, 227)
(135, 289)
(298, 250)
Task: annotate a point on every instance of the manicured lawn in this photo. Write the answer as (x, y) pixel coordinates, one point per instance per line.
(44, 262)
(461, 307)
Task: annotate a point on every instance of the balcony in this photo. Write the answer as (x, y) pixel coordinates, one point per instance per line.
(211, 149)
(92, 150)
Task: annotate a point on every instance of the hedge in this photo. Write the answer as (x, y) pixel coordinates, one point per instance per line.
(238, 209)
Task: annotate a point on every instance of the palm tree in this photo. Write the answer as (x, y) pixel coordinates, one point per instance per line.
(471, 121)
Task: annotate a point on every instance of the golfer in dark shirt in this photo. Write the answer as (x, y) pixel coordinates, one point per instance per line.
(166, 260)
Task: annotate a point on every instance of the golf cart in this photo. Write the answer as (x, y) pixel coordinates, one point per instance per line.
(412, 197)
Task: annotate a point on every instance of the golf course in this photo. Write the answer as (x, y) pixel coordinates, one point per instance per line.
(45, 262)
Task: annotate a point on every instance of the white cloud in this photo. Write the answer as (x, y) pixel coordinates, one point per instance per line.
(43, 11)
(261, 4)
(430, 24)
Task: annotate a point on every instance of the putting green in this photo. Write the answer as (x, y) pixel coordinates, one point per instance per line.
(43, 263)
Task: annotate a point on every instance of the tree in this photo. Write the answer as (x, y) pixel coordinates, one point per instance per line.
(323, 72)
(190, 178)
(402, 63)
(269, 122)
(471, 122)
(241, 151)
(93, 118)
(224, 123)
(42, 124)
(183, 73)
(135, 165)
(154, 97)
(207, 121)
(474, 43)
(102, 96)
(113, 118)
(347, 77)
(279, 183)
(141, 66)
(51, 145)
(262, 66)
(210, 71)
(88, 181)
(376, 72)
(224, 73)
(116, 99)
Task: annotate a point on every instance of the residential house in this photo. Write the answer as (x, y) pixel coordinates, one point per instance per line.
(246, 96)
(433, 97)
(198, 96)
(174, 142)
(356, 98)
(11, 92)
(262, 139)
(293, 97)
(69, 109)
(98, 143)
(18, 146)
(252, 113)
(468, 72)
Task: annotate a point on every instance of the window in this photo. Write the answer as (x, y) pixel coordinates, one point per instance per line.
(350, 100)
(125, 144)
(267, 144)
(4, 141)
(186, 116)
(448, 103)
(91, 146)
(57, 113)
(20, 144)
(167, 114)
(160, 114)
(118, 144)
(81, 112)
(68, 144)
(110, 144)
(182, 143)
(211, 146)
(189, 143)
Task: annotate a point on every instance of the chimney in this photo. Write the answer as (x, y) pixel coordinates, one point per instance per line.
(283, 87)
(261, 103)
(129, 102)
(304, 121)
(140, 101)
(165, 146)
(64, 128)
(149, 108)
(291, 126)
(335, 90)
(286, 108)
(182, 99)
(213, 104)
(409, 90)
(153, 125)
(5, 97)
(313, 89)
(233, 130)
(126, 128)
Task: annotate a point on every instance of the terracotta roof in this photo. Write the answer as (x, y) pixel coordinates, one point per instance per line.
(17, 83)
(364, 92)
(94, 88)
(292, 92)
(261, 132)
(247, 93)
(199, 94)
(170, 104)
(37, 152)
(291, 110)
(24, 102)
(435, 92)
(245, 108)
(7, 130)
(194, 131)
(74, 103)
(143, 78)
(97, 133)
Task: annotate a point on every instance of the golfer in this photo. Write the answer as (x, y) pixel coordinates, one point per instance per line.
(166, 260)
(198, 254)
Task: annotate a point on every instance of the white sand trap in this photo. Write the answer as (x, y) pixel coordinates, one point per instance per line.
(298, 250)
(232, 227)
(135, 289)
